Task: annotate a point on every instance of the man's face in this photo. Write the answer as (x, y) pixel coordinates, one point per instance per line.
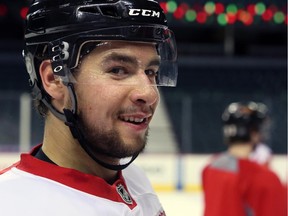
(117, 96)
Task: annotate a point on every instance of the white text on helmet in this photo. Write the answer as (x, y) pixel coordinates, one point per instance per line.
(144, 12)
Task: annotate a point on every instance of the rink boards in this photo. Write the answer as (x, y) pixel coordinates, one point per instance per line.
(170, 172)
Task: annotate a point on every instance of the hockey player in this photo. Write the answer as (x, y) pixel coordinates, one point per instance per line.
(235, 185)
(94, 67)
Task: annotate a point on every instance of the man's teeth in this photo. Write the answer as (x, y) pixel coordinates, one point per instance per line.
(132, 119)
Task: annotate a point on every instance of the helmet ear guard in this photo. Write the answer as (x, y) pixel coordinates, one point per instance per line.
(29, 63)
(34, 80)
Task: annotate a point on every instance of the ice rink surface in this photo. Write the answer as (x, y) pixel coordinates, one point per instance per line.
(182, 203)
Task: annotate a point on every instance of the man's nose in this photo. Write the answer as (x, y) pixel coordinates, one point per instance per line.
(144, 94)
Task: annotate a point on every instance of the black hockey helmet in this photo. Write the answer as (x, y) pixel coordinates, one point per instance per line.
(57, 30)
(240, 119)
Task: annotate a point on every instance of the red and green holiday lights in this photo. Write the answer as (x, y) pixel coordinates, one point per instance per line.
(209, 12)
(226, 14)
(5, 10)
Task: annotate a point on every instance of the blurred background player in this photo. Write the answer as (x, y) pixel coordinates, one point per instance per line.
(95, 68)
(236, 183)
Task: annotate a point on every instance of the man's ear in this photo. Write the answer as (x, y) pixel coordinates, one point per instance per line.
(52, 85)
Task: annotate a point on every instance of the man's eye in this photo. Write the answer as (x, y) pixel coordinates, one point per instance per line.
(151, 73)
(117, 71)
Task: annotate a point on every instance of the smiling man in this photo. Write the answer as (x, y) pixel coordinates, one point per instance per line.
(95, 68)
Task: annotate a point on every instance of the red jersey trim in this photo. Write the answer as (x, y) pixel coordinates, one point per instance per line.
(87, 183)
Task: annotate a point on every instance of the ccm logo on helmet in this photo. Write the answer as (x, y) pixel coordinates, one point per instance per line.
(144, 12)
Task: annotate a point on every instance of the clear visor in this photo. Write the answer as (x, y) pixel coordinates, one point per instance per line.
(124, 62)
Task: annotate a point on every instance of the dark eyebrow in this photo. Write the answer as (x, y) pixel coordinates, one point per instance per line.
(117, 57)
(155, 62)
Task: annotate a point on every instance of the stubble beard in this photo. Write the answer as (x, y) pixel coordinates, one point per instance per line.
(110, 143)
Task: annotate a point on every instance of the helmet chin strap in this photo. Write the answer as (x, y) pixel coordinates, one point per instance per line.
(70, 119)
(71, 122)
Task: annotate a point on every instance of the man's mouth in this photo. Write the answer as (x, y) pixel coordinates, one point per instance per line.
(133, 120)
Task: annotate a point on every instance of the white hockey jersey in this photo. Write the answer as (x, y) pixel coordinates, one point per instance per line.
(32, 187)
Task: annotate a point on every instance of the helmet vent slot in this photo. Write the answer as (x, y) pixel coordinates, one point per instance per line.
(91, 10)
(110, 11)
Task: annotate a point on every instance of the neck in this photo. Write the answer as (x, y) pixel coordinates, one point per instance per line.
(240, 150)
(65, 151)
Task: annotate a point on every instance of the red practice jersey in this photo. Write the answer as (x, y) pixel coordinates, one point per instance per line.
(34, 187)
(240, 187)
